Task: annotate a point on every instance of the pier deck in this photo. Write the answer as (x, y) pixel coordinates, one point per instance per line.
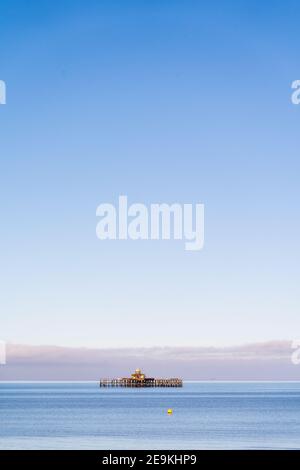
(141, 383)
(138, 379)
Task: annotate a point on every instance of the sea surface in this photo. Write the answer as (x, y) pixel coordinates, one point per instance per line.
(215, 415)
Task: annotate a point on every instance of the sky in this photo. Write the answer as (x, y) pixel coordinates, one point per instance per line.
(164, 102)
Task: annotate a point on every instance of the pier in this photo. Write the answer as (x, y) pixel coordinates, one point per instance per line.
(138, 379)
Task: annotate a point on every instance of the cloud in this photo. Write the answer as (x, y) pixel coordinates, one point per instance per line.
(256, 361)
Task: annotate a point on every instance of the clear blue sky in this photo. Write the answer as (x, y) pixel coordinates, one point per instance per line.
(165, 101)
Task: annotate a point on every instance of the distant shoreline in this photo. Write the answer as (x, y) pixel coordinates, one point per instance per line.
(184, 381)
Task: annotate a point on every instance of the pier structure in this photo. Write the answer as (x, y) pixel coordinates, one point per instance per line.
(138, 379)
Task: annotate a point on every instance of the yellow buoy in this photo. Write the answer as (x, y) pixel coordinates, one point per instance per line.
(170, 411)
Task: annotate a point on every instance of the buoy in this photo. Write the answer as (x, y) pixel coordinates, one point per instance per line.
(170, 411)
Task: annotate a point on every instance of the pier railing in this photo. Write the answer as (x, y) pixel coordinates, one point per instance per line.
(128, 382)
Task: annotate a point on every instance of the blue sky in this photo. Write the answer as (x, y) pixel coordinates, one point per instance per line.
(164, 102)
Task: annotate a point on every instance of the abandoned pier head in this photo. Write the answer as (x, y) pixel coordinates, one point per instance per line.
(139, 379)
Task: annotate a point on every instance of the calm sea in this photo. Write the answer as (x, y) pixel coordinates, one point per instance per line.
(206, 416)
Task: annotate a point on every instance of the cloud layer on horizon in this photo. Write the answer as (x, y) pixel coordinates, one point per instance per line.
(256, 361)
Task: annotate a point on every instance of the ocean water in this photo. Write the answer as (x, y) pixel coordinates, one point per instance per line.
(205, 416)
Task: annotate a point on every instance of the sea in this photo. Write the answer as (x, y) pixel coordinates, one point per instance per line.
(206, 415)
